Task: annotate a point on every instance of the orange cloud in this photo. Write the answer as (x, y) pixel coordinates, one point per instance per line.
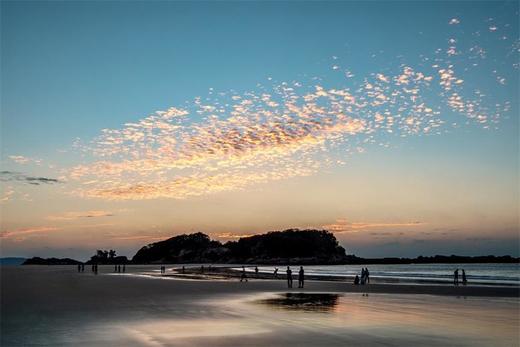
(342, 225)
(76, 215)
(26, 231)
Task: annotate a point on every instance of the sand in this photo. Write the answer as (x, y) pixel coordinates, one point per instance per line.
(55, 306)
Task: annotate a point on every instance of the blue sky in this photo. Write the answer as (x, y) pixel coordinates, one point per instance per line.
(71, 69)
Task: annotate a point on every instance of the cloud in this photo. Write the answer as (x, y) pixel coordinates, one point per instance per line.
(230, 141)
(228, 235)
(24, 232)
(77, 215)
(342, 225)
(12, 176)
(20, 159)
(139, 237)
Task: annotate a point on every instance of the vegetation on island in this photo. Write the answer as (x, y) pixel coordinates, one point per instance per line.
(275, 247)
(50, 261)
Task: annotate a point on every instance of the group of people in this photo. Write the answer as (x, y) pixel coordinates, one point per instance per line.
(163, 269)
(456, 277)
(364, 279)
(301, 276)
(94, 268)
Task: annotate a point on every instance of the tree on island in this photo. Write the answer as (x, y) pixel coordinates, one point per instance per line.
(105, 257)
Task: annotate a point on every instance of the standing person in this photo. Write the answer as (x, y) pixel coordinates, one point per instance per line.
(464, 279)
(256, 271)
(124, 267)
(183, 269)
(362, 279)
(275, 272)
(243, 277)
(115, 268)
(456, 277)
(119, 268)
(367, 275)
(79, 267)
(289, 277)
(82, 267)
(300, 277)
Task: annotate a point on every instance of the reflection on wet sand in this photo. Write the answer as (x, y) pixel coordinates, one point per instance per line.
(317, 302)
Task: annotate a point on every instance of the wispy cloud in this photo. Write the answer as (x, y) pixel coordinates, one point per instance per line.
(26, 231)
(20, 159)
(228, 235)
(13, 176)
(78, 215)
(342, 225)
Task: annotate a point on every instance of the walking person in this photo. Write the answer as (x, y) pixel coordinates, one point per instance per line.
(464, 279)
(456, 277)
(300, 277)
(289, 277)
(275, 272)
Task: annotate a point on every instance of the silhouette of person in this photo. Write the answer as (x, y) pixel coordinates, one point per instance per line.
(367, 275)
(124, 267)
(115, 268)
(275, 272)
(256, 271)
(79, 267)
(464, 279)
(456, 277)
(183, 269)
(202, 268)
(119, 268)
(356, 280)
(300, 277)
(82, 267)
(289, 277)
(243, 277)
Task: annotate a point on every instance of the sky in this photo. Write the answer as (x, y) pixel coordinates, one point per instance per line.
(392, 124)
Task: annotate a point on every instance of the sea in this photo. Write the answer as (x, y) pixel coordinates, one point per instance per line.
(499, 274)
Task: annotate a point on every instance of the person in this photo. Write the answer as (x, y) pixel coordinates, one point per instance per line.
(79, 267)
(289, 277)
(183, 269)
(300, 277)
(456, 277)
(464, 279)
(82, 267)
(115, 268)
(119, 268)
(256, 271)
(367, 276)
(356, 280)
(124, 267)
(362, 275)
(275, 272)
(243, 277)
(202, 268)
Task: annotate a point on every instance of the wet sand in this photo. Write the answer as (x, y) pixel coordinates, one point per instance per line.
(56, 306)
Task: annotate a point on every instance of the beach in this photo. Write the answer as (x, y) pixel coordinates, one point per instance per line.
(56, 306)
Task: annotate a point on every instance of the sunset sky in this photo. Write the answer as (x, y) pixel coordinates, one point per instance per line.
(392, 124)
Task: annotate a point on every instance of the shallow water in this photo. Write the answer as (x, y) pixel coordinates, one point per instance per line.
(55, 306)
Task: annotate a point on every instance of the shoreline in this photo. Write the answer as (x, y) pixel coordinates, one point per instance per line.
(333, 284)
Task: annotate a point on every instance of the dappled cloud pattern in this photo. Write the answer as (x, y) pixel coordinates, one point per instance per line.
(228, 140)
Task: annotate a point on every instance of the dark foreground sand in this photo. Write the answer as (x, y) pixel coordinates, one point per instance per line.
(55, 306)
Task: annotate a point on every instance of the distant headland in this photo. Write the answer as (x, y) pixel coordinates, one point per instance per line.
(292, 246)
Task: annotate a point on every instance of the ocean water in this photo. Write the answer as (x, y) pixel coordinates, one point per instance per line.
(481, 274)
